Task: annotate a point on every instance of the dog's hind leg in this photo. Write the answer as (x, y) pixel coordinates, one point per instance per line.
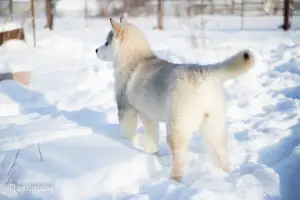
(183, 119)
(213, 131)
(179, 130)
(128, 122)
(177, 142)
(151, 135)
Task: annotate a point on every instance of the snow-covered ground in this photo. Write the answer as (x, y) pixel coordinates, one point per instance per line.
(60, 139)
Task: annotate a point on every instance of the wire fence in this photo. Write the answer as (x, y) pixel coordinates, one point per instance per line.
(17, 10)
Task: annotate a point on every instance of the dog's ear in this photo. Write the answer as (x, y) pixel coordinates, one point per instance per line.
(116, 26)
(123, 20)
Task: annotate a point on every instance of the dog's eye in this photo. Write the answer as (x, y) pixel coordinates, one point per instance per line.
(106, 44)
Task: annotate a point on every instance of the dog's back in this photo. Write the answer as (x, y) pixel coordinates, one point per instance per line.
(155, 80)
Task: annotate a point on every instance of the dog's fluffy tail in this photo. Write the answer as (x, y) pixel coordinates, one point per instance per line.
(236, 65)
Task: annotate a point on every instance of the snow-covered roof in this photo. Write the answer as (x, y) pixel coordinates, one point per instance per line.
(9, 26)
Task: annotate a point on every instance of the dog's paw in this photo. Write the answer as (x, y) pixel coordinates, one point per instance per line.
(176, 178)
(131, 137)
(224, 166)
(150, 147)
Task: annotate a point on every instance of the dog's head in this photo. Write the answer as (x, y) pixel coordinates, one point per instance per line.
(123, 37)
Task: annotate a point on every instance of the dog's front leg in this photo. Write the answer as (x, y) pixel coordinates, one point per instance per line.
(151, 135)
(128, 122)
(126, 114)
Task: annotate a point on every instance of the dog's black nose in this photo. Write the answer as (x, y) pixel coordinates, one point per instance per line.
(96, 50)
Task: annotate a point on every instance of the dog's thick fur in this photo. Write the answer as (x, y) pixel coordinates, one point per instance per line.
(187, 97)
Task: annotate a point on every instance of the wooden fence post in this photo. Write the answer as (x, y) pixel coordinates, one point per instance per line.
(286, 18)
(85, 10)
(49, 14)
(242, 14)
(11, 12)
(33, 21)
(160, 14)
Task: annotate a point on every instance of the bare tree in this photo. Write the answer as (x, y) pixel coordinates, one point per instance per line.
(49, 12)
(85, 10)
(242, 14)
(203, 22)
(33, 20)
(103, 8)
(232, 10)
(212, 4)
(11, 8)
(160, 14)
(126, 6)
(286, 20)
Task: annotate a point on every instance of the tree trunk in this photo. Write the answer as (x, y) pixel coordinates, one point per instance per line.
(126, 6)
(11, 8)
(286, 19)
(160, 14)
(49, 14)
(33, 20)
(85, 10)
(242, 14)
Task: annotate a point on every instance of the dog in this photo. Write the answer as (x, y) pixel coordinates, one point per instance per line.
(186, 97)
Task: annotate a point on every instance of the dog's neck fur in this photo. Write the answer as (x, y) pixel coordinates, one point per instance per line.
(130, 55)
(128, 60)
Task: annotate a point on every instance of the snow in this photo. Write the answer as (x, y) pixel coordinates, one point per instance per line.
(8, 26)
(61, 133)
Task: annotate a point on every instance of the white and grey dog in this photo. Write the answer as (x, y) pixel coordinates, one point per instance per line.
(187, 97)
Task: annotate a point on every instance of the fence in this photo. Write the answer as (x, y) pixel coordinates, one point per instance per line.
(172, 8)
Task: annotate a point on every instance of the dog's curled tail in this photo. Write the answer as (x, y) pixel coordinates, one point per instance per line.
(236, 65)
